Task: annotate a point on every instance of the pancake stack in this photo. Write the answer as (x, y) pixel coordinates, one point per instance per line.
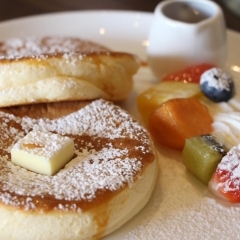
(51, 71)
(63, 86)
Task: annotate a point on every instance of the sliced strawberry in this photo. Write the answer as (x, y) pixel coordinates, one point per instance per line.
(225, 182)
(190, 74)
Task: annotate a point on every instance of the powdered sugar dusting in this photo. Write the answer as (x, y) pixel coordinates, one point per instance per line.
(217, 78)
(99, 163)
(90, 121)
(18, 47)
(230, 167)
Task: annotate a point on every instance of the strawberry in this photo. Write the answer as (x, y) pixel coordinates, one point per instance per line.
(190, 74)
(225, 182)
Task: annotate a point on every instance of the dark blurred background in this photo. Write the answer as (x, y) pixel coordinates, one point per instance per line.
(19, 8)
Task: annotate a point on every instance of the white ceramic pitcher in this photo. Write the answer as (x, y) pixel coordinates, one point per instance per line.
(185, 33)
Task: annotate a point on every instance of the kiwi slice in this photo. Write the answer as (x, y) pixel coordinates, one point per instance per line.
(201, 155)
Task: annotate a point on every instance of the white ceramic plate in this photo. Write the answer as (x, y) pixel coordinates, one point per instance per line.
(180, 207)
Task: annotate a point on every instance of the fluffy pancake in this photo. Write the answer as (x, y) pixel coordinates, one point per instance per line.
(63, 75)
(109, 180)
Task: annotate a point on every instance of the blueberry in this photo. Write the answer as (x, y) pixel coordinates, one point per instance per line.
(217, 85)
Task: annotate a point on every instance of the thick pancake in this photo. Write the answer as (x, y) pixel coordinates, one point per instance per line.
(64, 76)
(109, 180)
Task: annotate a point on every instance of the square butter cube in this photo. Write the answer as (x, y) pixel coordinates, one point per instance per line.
(43, 152)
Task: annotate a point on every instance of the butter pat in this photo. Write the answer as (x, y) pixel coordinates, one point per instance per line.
(42, 152)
